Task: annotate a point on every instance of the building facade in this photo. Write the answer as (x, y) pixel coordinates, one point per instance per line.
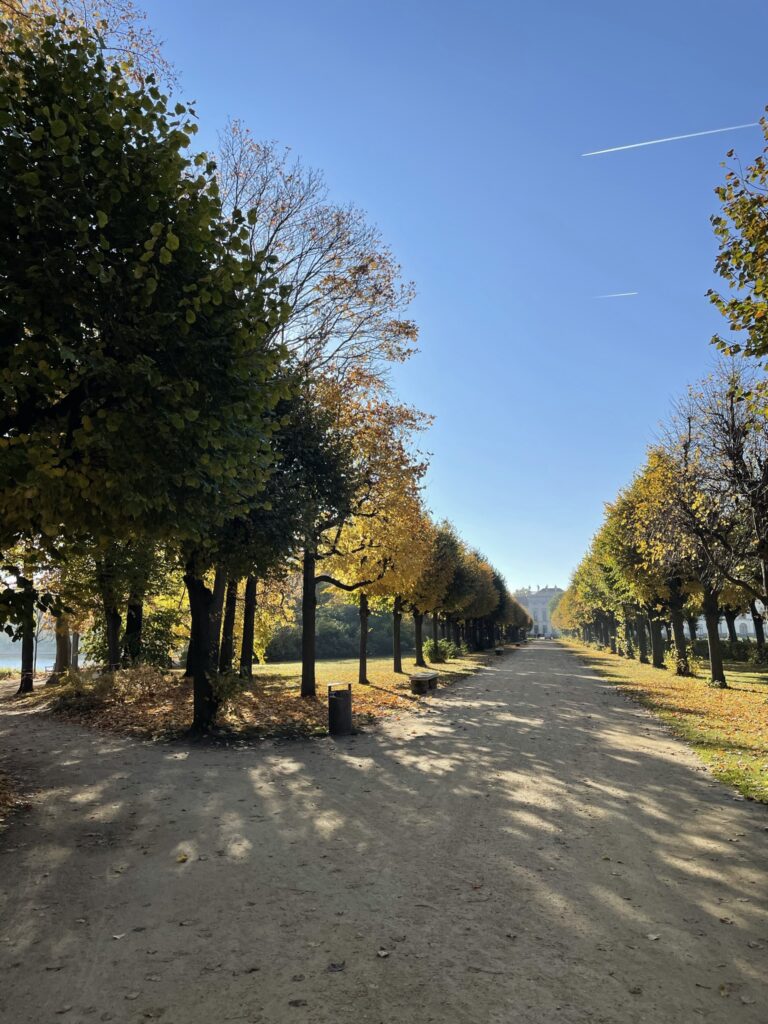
(537, 602)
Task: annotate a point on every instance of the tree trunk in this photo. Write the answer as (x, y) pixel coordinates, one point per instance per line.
(397, 647)
(26, 684)
(692, 627)
(217, 607)
(418, 628)
(206, 703)
(435, 639)
(308, 613)
(657, 641)
(757, 620)
(249, 617)
(712, 618)
(612, 635)
(63, 651)
(113, 623)
(28, 627)
(628, 636)
(227, 650)
(75, 650)
(190, 657)
(362, 675)
(642, 640)
(682, 668)
(730, 621)
(134, 621)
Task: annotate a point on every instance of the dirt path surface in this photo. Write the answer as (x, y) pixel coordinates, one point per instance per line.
(534, 849)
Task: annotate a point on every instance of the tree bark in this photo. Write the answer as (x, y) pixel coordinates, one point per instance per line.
(730, 621)
(190, 657)
(435, 639)
(362, 674)
(397, 647)
(113, 622)
(757, 620)
(628, 636)
(682, 667)
(249, 617)
(418, 628)
(692, 627)
(308, 614)
(63, 651)
(134, 622)
(217, 607)
(206, 703)
(642, 640)
(227, 649)
(26, 684)
(712, 618)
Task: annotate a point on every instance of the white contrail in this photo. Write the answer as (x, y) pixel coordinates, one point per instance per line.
(616, 295)
(672, 138)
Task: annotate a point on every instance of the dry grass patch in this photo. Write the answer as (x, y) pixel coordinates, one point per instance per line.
(157, 705)
(727, 728)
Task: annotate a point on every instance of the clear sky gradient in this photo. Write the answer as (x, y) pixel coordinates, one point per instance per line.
(458, 126)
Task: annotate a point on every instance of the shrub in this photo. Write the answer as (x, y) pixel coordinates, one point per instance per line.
(91, 688)
(694, 661)
(158, 639)
(227, 686)
(741, 650)
(446, 650)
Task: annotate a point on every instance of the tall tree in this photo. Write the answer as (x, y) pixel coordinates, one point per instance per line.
(149, 411)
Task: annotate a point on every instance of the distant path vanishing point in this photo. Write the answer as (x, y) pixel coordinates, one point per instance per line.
(534, 848)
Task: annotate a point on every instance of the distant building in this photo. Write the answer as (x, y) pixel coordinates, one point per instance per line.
(537, 602)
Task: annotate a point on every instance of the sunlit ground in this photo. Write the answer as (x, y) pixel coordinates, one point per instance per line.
(728, 728)
(270, 706)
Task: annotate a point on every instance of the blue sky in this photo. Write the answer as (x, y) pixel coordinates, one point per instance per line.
(458, 126)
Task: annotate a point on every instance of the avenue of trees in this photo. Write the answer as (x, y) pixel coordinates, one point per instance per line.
(198, 430)
(689, 536)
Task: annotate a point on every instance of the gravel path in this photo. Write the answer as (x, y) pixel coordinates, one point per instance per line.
(532, 849)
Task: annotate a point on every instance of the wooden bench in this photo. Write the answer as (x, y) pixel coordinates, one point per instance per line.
(421, 682)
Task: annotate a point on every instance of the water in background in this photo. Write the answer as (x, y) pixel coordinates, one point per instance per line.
(10, 652)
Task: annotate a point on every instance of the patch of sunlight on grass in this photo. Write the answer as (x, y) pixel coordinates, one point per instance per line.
(270, 705)
(727, 728)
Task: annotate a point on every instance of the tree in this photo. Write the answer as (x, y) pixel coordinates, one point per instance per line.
(342, 282)
(742, 260)
(121, 25)
(149, 328)
(427, 592)
(379, 534)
